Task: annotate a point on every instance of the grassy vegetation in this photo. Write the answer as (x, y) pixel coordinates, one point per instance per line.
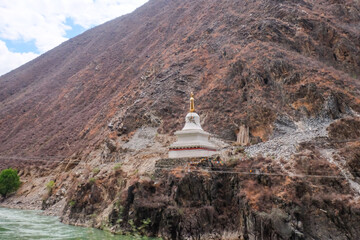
(96, 170)
(92, 180)
(50, 185)
(117, 166)
(72, 203)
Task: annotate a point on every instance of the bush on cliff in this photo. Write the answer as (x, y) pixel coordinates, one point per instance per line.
(9, 181)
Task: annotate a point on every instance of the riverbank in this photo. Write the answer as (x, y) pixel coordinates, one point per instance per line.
(33, 191)
(16, 202)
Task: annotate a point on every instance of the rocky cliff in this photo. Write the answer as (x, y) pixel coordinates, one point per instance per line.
(96, 114)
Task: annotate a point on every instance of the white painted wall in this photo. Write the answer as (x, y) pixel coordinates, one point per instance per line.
(191, 153)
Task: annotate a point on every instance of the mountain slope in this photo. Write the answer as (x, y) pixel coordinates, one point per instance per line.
(246, 61)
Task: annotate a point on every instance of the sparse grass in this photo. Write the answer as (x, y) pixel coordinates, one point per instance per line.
(239, 149)
(137, 232)
(132, 225)
(121, 182)
(96, 170)
(92, 180)
(181, 211)
(104, 226)
(144, 225)
(121, 210)
(117, 166)
(50, 185)
(232, 162)
(72, 203)
(135, 172)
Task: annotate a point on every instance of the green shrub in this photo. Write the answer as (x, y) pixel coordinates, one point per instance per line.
(50, 185)
(141, 230)
(96, 170)
(9, 181)
(92, 180)
(72, 203)
(145, 224)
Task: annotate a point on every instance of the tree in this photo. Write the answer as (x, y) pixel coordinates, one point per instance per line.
(9, 181)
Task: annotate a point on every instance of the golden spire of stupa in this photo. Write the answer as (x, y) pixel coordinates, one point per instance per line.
(192, 104)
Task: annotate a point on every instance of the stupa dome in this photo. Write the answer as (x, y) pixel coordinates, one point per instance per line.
(192, 140)
(192, 121)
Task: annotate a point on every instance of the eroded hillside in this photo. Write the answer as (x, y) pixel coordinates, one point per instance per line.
(246, 61)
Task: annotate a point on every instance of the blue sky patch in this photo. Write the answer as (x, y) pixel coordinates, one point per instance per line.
(20, 46)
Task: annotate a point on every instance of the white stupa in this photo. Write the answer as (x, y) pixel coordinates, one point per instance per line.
(192, 140)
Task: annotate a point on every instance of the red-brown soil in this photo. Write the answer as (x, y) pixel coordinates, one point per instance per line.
(246, 61)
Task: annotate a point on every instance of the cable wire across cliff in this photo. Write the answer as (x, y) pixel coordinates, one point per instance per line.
(251, 172)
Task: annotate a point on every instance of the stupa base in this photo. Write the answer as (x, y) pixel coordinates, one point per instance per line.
(191, 152)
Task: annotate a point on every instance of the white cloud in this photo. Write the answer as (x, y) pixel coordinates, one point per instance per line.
(10, 60)
(44, 21)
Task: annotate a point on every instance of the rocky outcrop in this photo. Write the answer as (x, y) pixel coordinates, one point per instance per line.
(225, 202)
(346, 130)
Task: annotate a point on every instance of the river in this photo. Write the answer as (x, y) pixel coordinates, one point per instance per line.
(29, 224)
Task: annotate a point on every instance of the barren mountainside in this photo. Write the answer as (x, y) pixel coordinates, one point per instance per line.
(249, 61)
(108, 101)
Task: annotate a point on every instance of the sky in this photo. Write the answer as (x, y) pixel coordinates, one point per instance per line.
(29, 28)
